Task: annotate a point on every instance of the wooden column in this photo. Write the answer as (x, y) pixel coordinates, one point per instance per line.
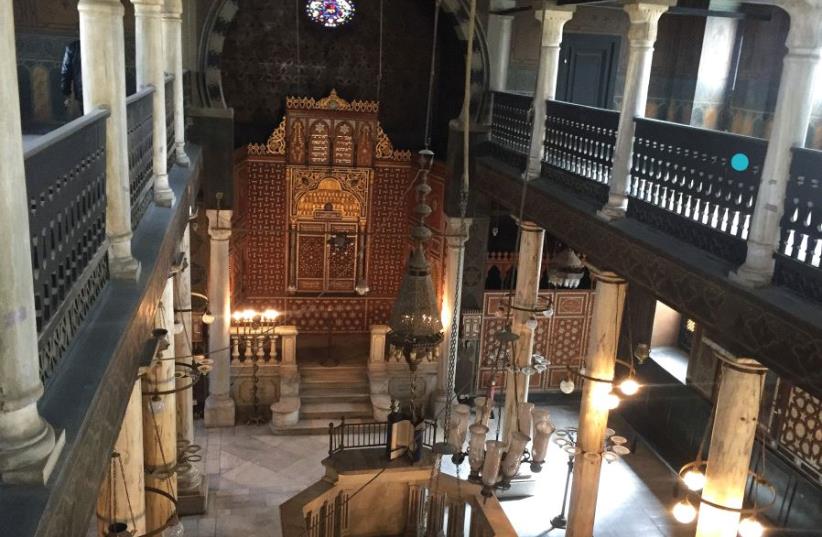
(125, 502)
(529, 268)
(732, 438)
(160, 420)
(609, 300)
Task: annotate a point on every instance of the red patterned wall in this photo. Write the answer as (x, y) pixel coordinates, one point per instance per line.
(563, 338)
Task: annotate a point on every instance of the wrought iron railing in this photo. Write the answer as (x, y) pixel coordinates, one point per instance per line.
(698, 185)
(799, 260)
(369, 435)
(511, 127)
(66, 187)
(580, 140)
(140, 152)
(170, 120)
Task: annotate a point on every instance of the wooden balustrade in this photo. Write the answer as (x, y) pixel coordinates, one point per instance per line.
(66, 185)
(511, 127)
(140, 135)
(800, 249)
(580, 140)
(697, 185)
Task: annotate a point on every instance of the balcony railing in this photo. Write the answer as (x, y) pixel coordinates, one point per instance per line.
(683, 182)
(370, 435)
(511, 127)
(66, 187)
(140, 152)
(580, 140)
(800, 249)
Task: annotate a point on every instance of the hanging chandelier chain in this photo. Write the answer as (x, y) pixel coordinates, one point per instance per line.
(429, 103)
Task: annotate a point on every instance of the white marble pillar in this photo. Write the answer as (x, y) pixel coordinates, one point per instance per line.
(27, 442)
(644, 17)
(160, 418)
(288, 336)
(219, 407)
(376, 356)
(789, 128)
(102, 48)
(732, 439)
(126, 503)
(456, 235)
(150, 64)
(529, 269)
(173, 37)
(553, 20)
(606, 320)
(190, 479)
(499, 43)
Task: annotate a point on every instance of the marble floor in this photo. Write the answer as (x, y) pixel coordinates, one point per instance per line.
(252, 472)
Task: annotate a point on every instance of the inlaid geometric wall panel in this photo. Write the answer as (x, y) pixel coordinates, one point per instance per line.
(562, 339)
(801, 434)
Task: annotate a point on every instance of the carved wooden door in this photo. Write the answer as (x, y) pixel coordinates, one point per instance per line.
(326, 256)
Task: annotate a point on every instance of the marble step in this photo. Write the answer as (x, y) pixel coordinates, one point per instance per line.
(335, 388)
(327, 411)
(326, 378)
(314, 426)
(334, 397)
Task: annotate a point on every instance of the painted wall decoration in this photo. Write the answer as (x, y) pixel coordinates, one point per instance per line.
(563, 338)
(323, 209)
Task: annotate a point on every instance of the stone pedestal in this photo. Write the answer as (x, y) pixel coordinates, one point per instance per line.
(102, 49)
(644, 17)
(553, 20)
(606, 321)
(529, 269)
(285, 412)
(28, 444)
(219, 407)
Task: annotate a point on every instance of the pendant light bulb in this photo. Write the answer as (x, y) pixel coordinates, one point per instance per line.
(629, 386)
(207, 318)
(750, 527)
(157, 404)
(684, 512)
(694, 480)
(566, 385)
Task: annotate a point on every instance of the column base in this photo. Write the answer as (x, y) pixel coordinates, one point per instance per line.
(39, 472)
(180, 156)
(285, 413)
(610, 213)
(163, 197)
(193, 501)
(219, 411)
(750, 277)
(124, 268)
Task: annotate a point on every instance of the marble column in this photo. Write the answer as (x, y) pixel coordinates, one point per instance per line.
(456, 232)
(102, 47)
(789, 129)
(732, 439)
(529, 268)
(28, 446)
(553, 20)
(173, 37)
(286, 411)
(609, 300)
(188, 481)
(150, 63)
(499, 43)
(125, 502)
(379, 334)
(644, 17)
(160, 419)
(219, 407)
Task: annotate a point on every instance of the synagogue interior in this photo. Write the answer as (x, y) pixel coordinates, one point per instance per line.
(410, 268)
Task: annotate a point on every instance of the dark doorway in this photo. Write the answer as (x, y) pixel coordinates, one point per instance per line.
(587, 70)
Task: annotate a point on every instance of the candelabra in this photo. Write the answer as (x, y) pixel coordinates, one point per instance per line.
(253, 328)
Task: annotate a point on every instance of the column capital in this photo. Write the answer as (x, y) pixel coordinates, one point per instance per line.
(173, 7)
(530, 227)
(219, 224)
(805, 34)
(380, 329)
(553, 19)
(455, 235)
(286, 330)
(107, 7)
(644, 17)
(605, 276)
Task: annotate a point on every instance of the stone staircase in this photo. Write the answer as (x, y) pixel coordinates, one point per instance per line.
(328, 394)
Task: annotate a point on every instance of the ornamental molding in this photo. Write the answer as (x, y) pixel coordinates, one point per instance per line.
(332, 102)
(385, 149)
